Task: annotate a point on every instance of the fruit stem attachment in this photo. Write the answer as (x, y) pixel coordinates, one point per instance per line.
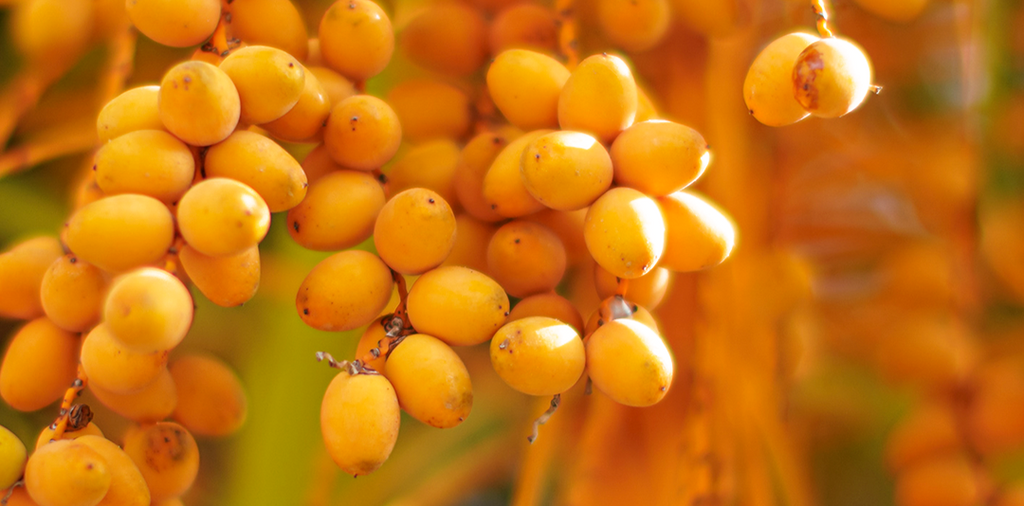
(60, 425)
(819, 9)
(543, 418)
(352, 368)
(396, 325)
(567, 42)
(10, 491)
(221, 43)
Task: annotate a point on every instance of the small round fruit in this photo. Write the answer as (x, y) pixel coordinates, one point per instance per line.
(363, 132)
(222, 217)
(629, 362)
(166, 455)
(38, 366)
(67, 473)
(625, 232)
(599, 98)
(198, 103)
(697, 234)
(12, 458)
(431, 381)
(344, 291)
(538, 355)
(831, 77)
(175, 23)
(659, 157)
(459, 306)
(415, 231)
(768, 87)
(356, 38)
(359, 420)
(148, 310)
(121, 232)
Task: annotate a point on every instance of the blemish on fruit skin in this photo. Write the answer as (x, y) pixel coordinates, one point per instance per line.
(805, 73)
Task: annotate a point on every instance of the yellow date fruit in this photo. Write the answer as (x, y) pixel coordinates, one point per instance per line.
(430, 380)
(457, 305)
(538, 355)
(629, 362)
(359, 420)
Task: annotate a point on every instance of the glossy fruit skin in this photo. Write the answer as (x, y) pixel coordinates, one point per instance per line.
(458, 305)
(175, 23)
(431, 381)
(525, 86)
(227, 281)
(67, 473)
(38, 366)
(538, 355)
(269, 82)
(121, 232)
(831, 77)
(566, 170)
(167, 457)
(12, 458)
(304, 122)
(127, 486)
(659, 157)
(22, 270)
(148, 310)
(629, 362)
(274, 23)
(134, 109)
(222, 217)
(344, 291)
(503, 187)
(260, 164)
(415, 231)
(768, 87)
(625, 232)
(198, 103)
(146, 162)
(356, 38)
(698, 235)
(339, 211)
(359, 420)
(600, 98)
(526, 258)
(115, 368)
(362, 133)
